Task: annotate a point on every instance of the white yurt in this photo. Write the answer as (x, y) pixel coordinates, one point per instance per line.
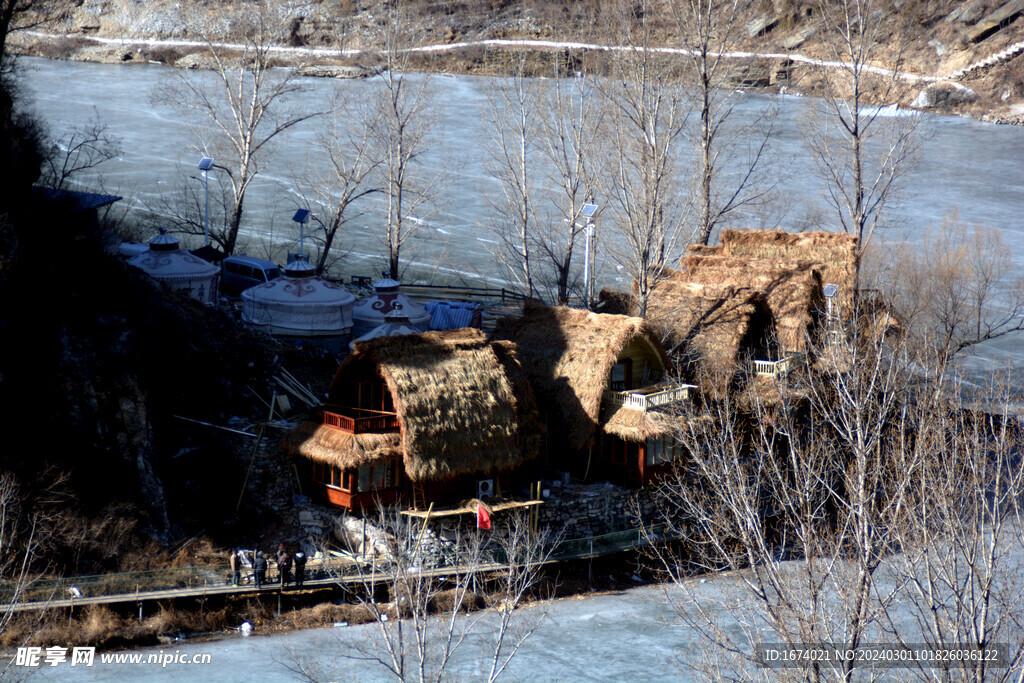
(394, 325)
(371, 311)
(302, 306)
(178, 269)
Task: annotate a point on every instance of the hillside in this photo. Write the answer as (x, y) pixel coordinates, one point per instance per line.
(936, 39)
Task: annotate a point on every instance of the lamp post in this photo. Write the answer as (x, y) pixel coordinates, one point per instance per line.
(588, 211)
(302, 217)
(204, 165)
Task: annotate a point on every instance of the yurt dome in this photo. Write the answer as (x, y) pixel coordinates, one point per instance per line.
(178, 269)
(300, 305)
(395, 324)
(386, 298)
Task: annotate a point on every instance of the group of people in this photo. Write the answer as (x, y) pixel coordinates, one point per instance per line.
(260, 564)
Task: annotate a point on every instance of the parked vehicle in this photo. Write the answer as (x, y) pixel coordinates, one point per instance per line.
(241, 272)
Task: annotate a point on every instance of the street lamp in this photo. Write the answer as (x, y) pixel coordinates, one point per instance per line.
(588, 211)
(204, 165)
(302, 217)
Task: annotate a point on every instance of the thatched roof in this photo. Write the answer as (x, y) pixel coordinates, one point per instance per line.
(791, 289)
(462, 402)
(708, 324)
(340, 449)
(636, 425)
(568, 355)
(834, 253)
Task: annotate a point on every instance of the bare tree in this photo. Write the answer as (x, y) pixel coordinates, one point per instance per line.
(30, 523)
(434, 586)
(860, 153)
(960, 537)
(708, 31)
(240, 110)
(19, 15)
(793, 494)
(858, 500)
(512, 107)
(81, 149)
(648, 114)
(959, 291)
(346, 145)
(570, 140)
(401, 134)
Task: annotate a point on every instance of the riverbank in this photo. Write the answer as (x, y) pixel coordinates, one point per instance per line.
(274, 611)
(945, 64)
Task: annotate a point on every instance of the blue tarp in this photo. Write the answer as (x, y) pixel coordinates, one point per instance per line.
(451, 315)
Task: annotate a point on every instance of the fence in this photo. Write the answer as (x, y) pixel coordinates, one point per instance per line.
(196, 579)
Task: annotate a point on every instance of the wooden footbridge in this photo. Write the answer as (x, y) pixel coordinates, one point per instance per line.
(212, 581)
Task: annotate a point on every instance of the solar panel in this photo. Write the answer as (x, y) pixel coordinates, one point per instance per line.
(205, 163)
(830, 290)
(301, 216)
(589, 210)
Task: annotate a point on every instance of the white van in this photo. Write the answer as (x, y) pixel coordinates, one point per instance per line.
(241, 272)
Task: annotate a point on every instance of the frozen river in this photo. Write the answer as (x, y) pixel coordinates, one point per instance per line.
(629, 636)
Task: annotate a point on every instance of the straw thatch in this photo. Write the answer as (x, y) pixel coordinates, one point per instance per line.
(709, 325)
(834, 253)
(462, 402)
(631, 424)
(338, 448)
(616, 302)
(568, 355)
(791, 289)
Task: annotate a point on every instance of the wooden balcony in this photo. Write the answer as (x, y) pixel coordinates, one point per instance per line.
(651, 396)
(359, 421)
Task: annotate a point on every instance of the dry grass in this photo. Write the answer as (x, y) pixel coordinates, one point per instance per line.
(338, 448)
(460, 400)
(568, 355)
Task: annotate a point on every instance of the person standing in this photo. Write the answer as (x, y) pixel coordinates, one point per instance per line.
(260, 569)
(300, 568)
(284, 564)
(235, 562)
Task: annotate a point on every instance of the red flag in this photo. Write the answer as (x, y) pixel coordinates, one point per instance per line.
(483, 518)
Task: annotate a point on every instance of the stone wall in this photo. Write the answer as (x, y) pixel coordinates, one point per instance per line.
(585, 510)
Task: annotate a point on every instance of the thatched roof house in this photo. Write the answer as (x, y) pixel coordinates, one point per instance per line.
(569, 354)
(463, 406)
(834, 254)
(759, 292)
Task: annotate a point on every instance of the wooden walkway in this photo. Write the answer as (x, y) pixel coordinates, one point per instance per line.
(210, 590)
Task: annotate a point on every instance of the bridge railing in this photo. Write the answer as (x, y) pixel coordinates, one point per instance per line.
(217, 576)
(126, 583)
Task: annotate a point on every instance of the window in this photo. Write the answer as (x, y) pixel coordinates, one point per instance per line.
(381, 475)
(618, 451)
(622, 375)
(231, 267)
(662, 450)
(364, 478)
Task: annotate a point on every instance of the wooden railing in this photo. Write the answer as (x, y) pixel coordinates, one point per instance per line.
(649, 397)
(774, 368)
(359, 421)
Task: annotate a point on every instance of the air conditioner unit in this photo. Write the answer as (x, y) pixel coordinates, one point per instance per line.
(485, 488)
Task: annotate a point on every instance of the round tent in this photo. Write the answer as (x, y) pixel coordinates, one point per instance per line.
(178, 269)
(395, 324)
(300, 305)
(386, 299)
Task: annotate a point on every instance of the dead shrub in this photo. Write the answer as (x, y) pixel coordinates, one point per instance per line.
(444, 602)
